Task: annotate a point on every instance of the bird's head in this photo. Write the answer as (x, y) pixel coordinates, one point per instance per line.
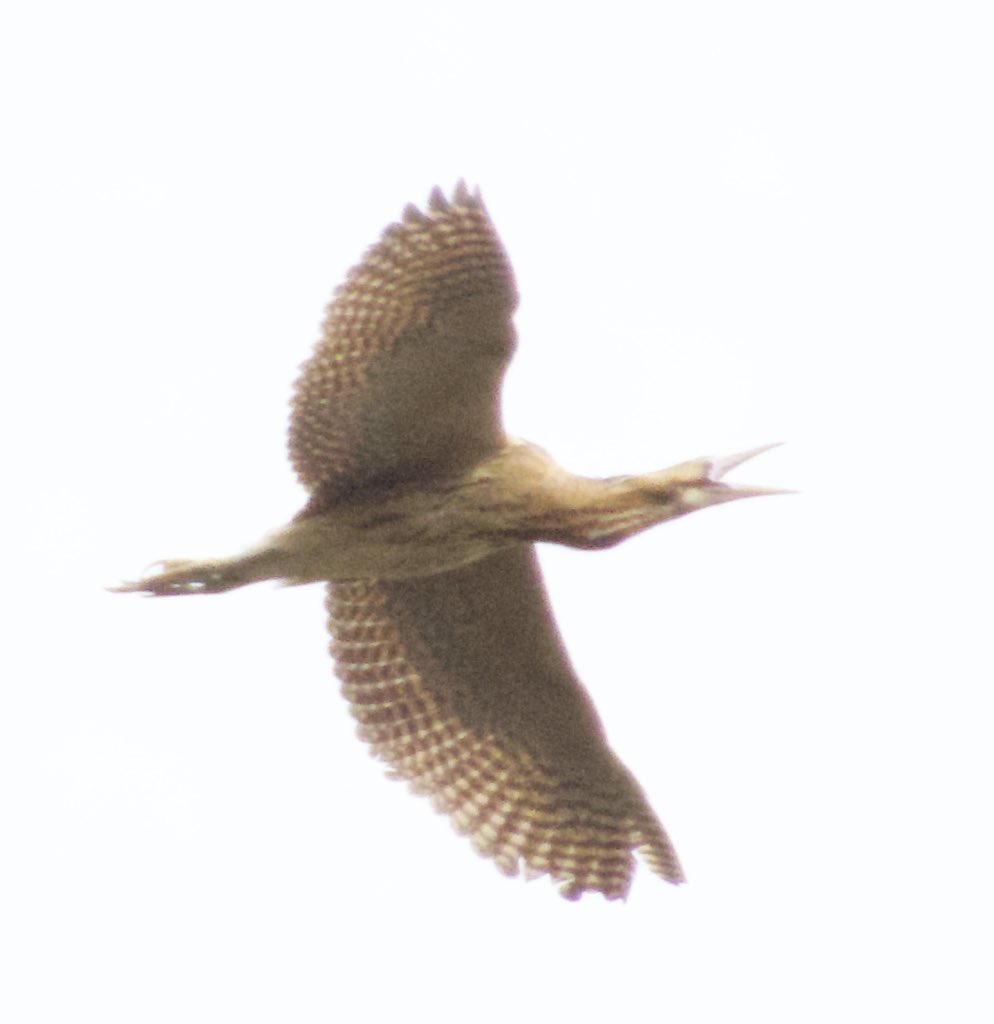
(700, 482)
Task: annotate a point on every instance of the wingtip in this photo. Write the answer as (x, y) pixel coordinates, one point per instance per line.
(438, 202)
(412, 215)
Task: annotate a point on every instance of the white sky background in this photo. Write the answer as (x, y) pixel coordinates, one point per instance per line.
(731, 224)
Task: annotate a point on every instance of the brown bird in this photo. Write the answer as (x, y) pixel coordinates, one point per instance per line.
(422, 519)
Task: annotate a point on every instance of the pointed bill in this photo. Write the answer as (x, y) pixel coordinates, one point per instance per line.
(721, 465)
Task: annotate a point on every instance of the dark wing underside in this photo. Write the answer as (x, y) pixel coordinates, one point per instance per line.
(461, 684)
(405, 382)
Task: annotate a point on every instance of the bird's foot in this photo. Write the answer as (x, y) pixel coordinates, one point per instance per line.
(184, 576)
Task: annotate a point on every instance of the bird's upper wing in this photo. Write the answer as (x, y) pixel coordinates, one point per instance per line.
(404, 383)
(461, 683)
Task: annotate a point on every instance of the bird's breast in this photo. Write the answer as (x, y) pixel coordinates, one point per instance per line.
(518, 496)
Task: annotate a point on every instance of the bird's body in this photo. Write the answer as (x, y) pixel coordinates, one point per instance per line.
(422, 517)
(413, 530)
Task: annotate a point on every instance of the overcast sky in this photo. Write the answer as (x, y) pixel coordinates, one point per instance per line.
(731, 224)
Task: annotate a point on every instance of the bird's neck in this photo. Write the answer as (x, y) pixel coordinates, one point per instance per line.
(545, 503)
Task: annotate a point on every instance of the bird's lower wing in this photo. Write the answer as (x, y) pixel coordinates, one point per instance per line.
(461, 684)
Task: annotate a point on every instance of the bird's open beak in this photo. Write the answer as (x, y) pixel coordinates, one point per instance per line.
(720, 465)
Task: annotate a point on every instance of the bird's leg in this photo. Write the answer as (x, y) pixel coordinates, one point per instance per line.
(186, 576)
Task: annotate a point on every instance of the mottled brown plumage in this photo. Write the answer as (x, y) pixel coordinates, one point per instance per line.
(461, 684)
(405, 382)
(423, 517)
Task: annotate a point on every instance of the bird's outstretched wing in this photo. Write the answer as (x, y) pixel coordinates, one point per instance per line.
(461, 683)
(405, 382)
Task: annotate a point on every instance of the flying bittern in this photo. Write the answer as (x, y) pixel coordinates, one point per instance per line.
(422, 519)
